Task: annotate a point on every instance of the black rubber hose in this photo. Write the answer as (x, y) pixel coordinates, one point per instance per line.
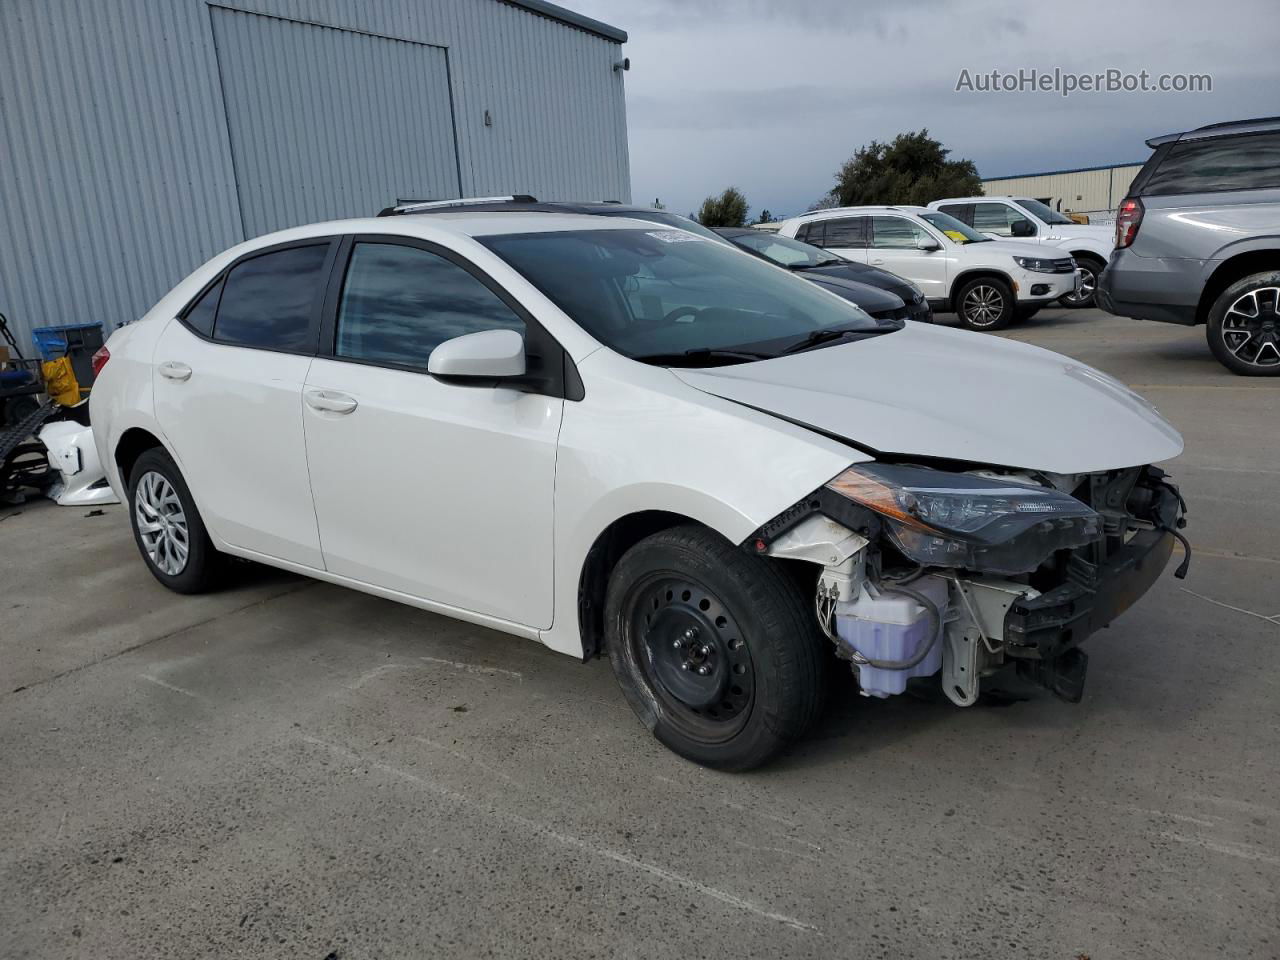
(924, 650)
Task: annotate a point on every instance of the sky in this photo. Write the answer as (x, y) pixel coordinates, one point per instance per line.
(772, 96)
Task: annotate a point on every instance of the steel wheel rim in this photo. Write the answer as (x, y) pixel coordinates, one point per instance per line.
(983, 305)
(162, 523)
(694, 659)
(1088, 284)
(1251, 327)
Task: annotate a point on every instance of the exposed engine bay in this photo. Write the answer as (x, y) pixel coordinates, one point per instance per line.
(969, 575)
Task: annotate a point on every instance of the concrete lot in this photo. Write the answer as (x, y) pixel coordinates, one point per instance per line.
(291, 769)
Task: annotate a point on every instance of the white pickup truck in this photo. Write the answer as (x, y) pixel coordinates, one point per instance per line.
(1030, 221)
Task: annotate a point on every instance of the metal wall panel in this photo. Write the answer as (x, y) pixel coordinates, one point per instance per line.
(328, 123)
(1096, 192)
(116, 172)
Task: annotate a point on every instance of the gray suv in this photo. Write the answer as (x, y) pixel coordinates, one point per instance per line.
(1198, 241)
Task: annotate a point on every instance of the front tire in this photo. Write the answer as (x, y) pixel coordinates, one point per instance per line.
(714, 648)
(167, 527)
(985, 304)
(1090, 270)
(1244, 326)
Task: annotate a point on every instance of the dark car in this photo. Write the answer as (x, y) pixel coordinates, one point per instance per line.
(844, 277)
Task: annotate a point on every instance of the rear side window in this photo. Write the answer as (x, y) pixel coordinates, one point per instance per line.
(399, 303)
(847, 232)
(269, 301)
(1249, 162)
(961, 211)
(200, 316)
(811, 233)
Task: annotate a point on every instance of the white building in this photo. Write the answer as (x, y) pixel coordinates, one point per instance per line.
(1094, 191)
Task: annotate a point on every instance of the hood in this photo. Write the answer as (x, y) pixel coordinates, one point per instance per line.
(1013, 248)
(869, 298)
(934, 392)
(862, 273)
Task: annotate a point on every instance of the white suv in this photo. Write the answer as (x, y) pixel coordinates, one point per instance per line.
(1030, 221)
(987, 283)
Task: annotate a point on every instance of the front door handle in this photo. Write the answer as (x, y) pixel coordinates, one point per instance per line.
(173, 370)
(330, 401)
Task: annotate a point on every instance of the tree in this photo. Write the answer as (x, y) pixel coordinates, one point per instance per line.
(765, 216)
(658, 204)
(827, 201)
(912, 169)
(727, 210)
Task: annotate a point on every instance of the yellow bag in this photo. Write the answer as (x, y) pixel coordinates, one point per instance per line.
(60, 381)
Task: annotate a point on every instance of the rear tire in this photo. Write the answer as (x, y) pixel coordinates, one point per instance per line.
(167, 527)
(1244, 326)
(714, 648)
(985, 304)
(1090, 270)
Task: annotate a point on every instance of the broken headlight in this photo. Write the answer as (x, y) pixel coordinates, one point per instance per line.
(941, 519)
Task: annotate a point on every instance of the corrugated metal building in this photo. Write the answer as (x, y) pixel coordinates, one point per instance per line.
(140, 137)
(1096, 191)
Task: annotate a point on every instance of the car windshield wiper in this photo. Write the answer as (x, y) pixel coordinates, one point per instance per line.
(831, 334)
(703, 356)
(830, 261)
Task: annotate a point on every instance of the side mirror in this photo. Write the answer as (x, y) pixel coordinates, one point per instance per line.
(487, 355)
(1022, 228)
(927, 243)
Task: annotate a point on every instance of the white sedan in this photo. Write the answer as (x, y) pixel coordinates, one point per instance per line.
(624, 439)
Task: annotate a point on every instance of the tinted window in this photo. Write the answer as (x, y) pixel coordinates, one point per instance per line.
(200, 316)
(896, 233)
(999, 218)
(958, 210)
(660, 292)
(269, 300)
(811, 233)
(846, 232)
(1229, 163)
(399, 303)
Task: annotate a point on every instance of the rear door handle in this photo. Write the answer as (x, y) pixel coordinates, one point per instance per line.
(330, 401)
(173, 370)
(877, 261)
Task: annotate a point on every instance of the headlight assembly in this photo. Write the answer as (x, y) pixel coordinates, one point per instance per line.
(1036, 265)
(959, 520)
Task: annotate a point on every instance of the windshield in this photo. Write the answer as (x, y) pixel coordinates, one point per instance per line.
(660, 216)
(1044, 212)
(957, 231)
(785, 251)
(666, 296)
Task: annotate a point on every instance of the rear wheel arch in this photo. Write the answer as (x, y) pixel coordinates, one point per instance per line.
(133, 443)
(1232, 269)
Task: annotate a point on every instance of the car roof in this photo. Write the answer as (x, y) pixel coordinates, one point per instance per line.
(1003, 196)
(1227, 128)
(519, 205)
(452, 223)
(831, 213)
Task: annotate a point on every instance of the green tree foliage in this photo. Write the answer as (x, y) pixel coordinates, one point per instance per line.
(765, 216)
(727, 210)
(913, 169)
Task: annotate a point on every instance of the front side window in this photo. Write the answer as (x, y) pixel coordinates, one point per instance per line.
(1249, 162)
(269, 301)
(670, 297)
(1002, 220)
(399, 303)
(896, 233)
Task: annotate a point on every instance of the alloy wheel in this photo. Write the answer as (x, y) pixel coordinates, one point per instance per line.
(162, 523)
(983, 305)
(1088, 286)
(1251, 327)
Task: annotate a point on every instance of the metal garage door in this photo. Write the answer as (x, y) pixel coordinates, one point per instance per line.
(329, 123)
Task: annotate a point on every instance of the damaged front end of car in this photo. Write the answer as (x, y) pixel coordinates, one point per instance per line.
(971, 575)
